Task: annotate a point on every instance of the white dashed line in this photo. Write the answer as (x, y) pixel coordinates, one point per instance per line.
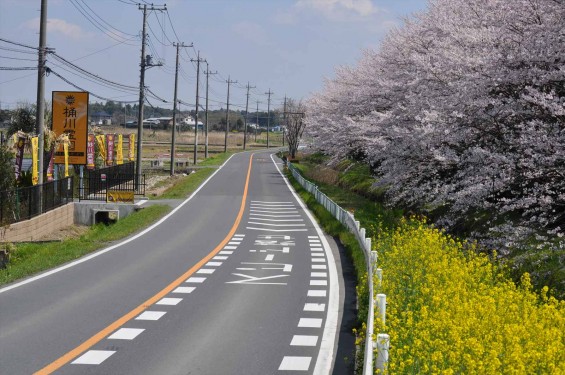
(317, 254)
(93, 357)
(230, 247)
(318, 260)
(206, 271)
(151, 315)
(302, 340)
(169, 301)
(184, 289)
(318, 274)
(319, 282)
(316, 250)
(310, 323)
(239, 235)
(214, 264)
(278, 225)
(126, 334)
(277, 230)
(314, 307)
(219, 257)
(193, 279)
(317, 293)
(226, 252)
(319, 267)
(269, 257)
(234, 243)
(295, 363)
(312, 236)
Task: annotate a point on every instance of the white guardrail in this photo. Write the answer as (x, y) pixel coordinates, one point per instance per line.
(347, 219)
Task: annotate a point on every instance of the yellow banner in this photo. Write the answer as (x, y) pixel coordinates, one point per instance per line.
(66, 156)
(70, 117)
(34, 154)
(101, 141)
(120, 196)
(119, 150)
(131, 154)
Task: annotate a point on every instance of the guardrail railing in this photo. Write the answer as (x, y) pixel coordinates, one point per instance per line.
(348, 220)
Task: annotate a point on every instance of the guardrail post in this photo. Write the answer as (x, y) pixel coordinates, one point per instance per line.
(383, 344)
(368, 243)
(374, 258)
(379, 273)
(381, 307)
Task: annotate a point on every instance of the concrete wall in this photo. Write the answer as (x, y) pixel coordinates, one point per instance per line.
(84, 210)
(39, 226)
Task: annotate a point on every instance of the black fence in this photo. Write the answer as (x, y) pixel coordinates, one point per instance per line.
(23, 203)
(118, 178)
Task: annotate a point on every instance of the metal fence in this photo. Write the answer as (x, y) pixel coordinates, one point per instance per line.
(96, 183)
(23, 203)
(348, 220)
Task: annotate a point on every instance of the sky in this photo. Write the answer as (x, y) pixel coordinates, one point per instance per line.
(287, 47)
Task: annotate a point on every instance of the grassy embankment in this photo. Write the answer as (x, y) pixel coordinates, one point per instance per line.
(450, 308)
(27, 259)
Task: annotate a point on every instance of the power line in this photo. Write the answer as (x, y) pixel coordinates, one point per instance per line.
(18, 44)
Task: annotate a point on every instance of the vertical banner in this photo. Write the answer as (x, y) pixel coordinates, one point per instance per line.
(100, 140)
(110, 149)
(70, 117)
(49, 168)
(90, 153)
(119, 150)
(131, 153)
(66, 155)
(34, 157)
(20, 144)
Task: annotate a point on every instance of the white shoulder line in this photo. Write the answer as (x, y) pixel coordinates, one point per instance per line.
(324, 362)
(103, 251)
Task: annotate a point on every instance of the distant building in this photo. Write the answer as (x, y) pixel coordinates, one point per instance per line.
(101, 118)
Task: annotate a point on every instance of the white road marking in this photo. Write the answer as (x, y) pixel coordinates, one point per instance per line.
(275, 220)
(193, 279)
(295, 363)
(274, 208)
(206, 271)
(214, 264)
(285, 267)
(314, 307)
(269, 257)
(273, 212)
(277, 230)
(318, 260)
(317, 293)
(303, 340)
(184, 289)
(318, 282)
(255, 280)
(219, 257)
(318, 274)
(93, 357)
(126, 334)
(310, 323)
(272, 202)
(246, 269)
(277, 225)
(151, 315)
(312, 236)
(263, 215)
(316, 250)
(234, 243)
(317, 254)
(230, 247)
(169, 301)
(319, 267)
(226, 252)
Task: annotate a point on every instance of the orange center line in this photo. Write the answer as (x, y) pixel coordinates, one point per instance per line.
(72, 354)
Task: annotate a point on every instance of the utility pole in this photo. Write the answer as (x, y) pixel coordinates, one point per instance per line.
(175, 108)
(257, 120)
(145, 63)
(229, 82)
(40, 111)
(284, 117)
(245, 118)
(208, 72)
(268, 114)
(198, 60)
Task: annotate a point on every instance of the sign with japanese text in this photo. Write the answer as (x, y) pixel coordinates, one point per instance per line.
(70, 117)
(131, 152)
(90, 152)
(110, 149)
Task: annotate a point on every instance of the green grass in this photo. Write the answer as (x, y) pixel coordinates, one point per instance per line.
(31, 258)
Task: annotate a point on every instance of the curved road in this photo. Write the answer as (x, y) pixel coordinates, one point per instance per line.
(238, 279)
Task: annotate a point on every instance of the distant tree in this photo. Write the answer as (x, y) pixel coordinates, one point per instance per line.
(294, 123)
(7, 177)
(23, 118)
(239, 124)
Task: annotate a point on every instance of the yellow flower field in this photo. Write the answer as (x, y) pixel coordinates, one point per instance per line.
(452, 311)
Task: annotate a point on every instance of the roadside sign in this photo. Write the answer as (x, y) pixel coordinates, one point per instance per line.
(70, 116)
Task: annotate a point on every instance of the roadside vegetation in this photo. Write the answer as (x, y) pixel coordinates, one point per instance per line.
(451, 307)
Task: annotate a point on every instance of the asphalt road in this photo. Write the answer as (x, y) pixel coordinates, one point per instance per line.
(237, 280)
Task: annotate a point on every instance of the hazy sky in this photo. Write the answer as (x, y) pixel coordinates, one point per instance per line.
(288, 46)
